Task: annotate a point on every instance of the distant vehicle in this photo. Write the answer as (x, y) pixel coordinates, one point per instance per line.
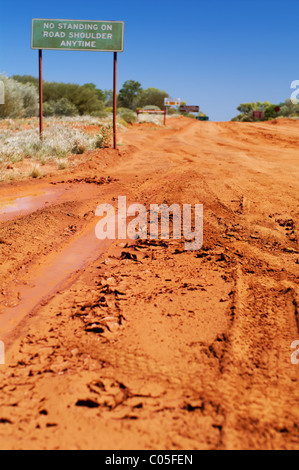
(202, 118)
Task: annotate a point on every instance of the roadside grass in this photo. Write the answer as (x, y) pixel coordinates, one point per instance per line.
(64, 137)
(20, 144)
(62, 164)
(35, 172)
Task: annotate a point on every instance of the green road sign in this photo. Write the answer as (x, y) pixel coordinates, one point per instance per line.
(77, 35)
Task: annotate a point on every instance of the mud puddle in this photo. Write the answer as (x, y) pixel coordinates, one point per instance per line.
(14, 206)
(50, 277)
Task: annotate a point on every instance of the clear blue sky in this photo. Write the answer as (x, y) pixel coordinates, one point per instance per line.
(212, 53)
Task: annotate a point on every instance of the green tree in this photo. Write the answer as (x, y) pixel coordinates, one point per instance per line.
(100, 93)
(21, 99)
(26, 79)
(64, 107)
(152, 96)
(48, 109)
(246, 110)
(129, 94)
(84, 98)
(290, 109)
(108, 98)
(13, 105)
(30, 100)
(270, 112)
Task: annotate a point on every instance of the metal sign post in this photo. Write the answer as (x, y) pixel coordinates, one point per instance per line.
(40, 79)
(114, 99)
(77, 35)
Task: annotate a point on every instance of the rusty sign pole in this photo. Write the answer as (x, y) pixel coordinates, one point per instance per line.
(114, 98)
(40, 66)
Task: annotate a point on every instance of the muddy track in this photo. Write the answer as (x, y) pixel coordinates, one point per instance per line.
(145, 345)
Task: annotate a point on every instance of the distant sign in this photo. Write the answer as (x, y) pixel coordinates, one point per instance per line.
(77, 35)
(189, 109)
(172, 101)
(258, 114)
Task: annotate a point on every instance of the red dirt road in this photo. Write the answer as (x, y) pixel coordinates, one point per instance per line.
(167, 349)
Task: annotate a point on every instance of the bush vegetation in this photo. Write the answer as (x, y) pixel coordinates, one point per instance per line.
(59, 141)
(127, 115)
(103, 138)
(70, 99)
(270, 110)
(21, 99)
